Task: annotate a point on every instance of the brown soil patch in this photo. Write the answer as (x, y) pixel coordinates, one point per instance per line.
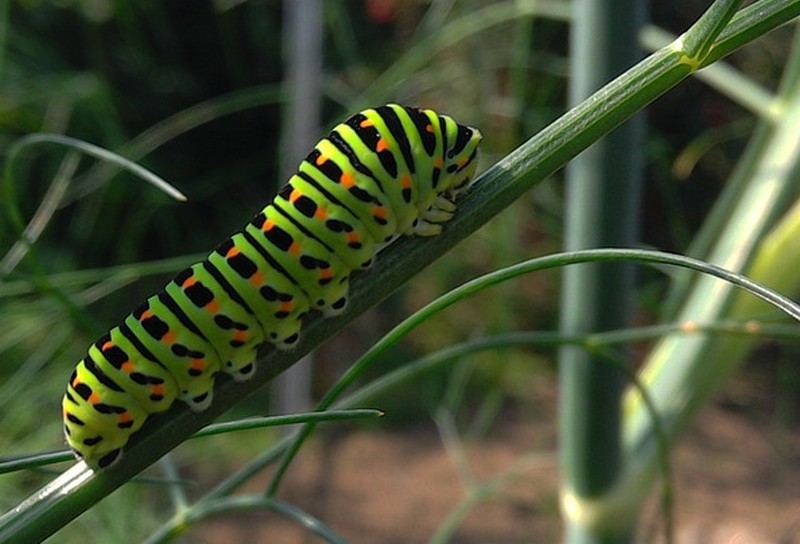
(737, 481)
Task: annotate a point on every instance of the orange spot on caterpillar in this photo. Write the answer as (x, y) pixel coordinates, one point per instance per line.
(382, 145)
(347, 180)
(353, 237)
(286, 307)
(321, 214)
(157, 390)
(267, 225)
(107, 346)
(321, 159)
(232, 252)
(240, 336)
(366, 123)
(257, 279)
(127, 367)
(189, 282)
(437, 162)
(198, 364)
(124, 418)
(295, 195)
(94, 398)
(380, 213)
(326, 273)
(147, 314)
(169, 337)
(212, 307)
(294, 249)
(405, 182)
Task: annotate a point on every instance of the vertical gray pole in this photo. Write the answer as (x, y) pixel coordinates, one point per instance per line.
(303, 31)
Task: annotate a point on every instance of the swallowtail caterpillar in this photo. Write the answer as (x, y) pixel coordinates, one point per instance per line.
(384, 172)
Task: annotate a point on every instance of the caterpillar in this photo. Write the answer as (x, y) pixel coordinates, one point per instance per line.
(382, 173)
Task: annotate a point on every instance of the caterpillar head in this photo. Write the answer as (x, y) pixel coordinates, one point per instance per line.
(460, 156)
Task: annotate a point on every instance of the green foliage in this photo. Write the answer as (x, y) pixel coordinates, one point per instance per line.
(194, 96)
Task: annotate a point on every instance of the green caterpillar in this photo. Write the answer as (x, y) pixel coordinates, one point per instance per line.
(382, 173)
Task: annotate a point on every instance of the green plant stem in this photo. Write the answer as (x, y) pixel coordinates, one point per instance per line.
(701, 38)
(603, 188)
(245, 503)
(683, 373)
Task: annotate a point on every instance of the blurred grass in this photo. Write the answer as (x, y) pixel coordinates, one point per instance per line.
(194, 95)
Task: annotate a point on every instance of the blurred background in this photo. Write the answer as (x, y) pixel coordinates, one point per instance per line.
(201, 93)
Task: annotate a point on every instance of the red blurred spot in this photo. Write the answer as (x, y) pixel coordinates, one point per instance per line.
(381, 11)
